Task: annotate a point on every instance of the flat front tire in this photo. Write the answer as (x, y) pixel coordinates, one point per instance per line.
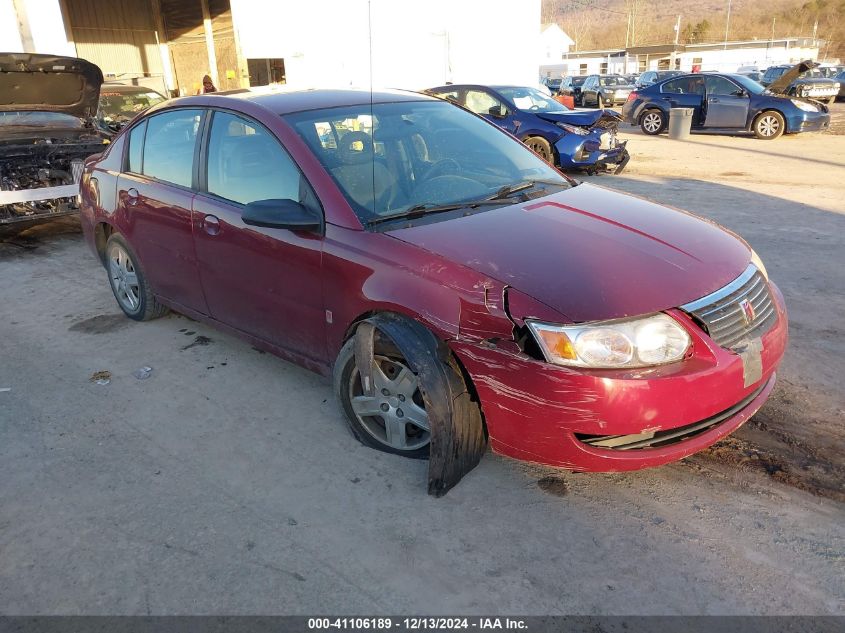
(128, 283)
(393, 419)
(653, 122)
(768, 125)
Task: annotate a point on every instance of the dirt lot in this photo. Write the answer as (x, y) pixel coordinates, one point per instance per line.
(226, 482)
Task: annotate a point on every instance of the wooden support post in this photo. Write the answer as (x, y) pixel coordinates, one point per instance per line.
(209, 43)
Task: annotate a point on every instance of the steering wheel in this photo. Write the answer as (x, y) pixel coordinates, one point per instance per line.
(443, 167)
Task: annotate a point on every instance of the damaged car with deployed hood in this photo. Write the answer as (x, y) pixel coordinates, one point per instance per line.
(801, 80)
(48, 126)
(458, 290)
(570, 139)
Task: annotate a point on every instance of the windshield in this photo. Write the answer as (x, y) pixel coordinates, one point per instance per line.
(749, 84)
(665, 74)
(117, 106)
(40, 119)
(577, 81)
(613, 81)
(416, 153)
(532, 100)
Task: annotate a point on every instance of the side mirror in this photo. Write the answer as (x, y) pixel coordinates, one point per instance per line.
(497, 111)
(281, 214)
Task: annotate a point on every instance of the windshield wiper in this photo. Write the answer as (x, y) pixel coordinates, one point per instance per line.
(508, 190)
(500, 197)
(419, 210)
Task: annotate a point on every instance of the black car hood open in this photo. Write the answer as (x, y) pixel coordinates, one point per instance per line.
(49, 83)
(780, 84)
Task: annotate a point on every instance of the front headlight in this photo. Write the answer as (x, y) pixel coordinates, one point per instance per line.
(643, 342)
(802, 105)
(758, 263)
(573, 129)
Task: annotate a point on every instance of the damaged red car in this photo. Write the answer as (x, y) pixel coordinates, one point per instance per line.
(459, 290)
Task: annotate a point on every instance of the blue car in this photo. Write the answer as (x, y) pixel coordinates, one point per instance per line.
(724, 103)
(568, 139)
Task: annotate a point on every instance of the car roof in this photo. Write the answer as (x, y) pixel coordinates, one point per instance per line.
(287, 101)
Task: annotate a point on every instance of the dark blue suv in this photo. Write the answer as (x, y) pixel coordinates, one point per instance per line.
(724, 102)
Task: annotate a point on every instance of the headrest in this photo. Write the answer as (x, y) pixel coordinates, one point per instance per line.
(351, 153)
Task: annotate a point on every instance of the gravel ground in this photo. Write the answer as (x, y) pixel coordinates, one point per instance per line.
(225, 483)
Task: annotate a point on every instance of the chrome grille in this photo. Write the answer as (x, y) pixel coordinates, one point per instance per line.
(724, 314)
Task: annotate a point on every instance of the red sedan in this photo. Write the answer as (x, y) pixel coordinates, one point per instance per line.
(458, 288)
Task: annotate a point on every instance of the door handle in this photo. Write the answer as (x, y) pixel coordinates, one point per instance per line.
(211, 225)
(713, 100)
(666, 98)
(132, 196)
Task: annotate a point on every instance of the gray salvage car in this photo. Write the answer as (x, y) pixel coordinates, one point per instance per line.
(48, 126)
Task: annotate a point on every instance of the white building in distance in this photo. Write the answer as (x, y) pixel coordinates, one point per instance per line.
(722, 56)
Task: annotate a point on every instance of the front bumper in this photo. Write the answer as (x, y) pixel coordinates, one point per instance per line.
(588, 153)
(808, 121)
(547, 414)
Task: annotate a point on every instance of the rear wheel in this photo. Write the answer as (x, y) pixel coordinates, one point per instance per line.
(128, 283)
(541, 147)
(768, 125)
(653, 122)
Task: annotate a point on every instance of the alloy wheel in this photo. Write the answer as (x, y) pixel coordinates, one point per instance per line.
(395, 414)
(652, 122)
(768, 125)
(124, 279)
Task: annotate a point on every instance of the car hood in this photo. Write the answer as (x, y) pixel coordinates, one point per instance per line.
(49, 83)
(590, 253)
(582, 118)
(782, 83)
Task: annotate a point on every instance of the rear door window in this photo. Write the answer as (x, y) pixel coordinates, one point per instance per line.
(683, 86)
(719, 85)
(169, 146)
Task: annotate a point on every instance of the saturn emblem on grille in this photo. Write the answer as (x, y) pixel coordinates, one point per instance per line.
(747, 311)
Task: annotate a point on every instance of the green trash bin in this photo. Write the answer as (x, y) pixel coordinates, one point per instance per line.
(680, 121)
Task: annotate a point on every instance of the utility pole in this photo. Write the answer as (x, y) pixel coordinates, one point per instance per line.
(727, 24)
(677, 34)
(627, 29)
(772, 40)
